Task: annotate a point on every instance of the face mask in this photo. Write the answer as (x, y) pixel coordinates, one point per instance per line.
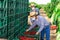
(36, 13)
(33, 8)
(33, 19)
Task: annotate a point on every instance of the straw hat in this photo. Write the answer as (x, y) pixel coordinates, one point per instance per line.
(32, 5)
(32, 14)
(42, 10)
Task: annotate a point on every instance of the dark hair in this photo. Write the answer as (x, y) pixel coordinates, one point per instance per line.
(28, 13)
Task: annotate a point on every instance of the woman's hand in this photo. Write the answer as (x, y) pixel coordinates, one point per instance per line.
(27, 30)
(37, 33)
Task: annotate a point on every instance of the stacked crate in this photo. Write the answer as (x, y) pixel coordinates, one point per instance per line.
(23, 18)
(3, 18)
(13, 18)
(17, 18)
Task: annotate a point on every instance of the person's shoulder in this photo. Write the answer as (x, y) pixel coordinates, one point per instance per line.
(40, 17)
(37, 8)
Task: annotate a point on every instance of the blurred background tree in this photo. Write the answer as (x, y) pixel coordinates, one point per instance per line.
(50, 7)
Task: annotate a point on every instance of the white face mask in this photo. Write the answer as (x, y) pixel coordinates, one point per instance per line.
(33, 8)
(33, 19)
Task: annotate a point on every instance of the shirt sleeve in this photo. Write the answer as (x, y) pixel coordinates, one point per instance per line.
(33, 25)
(41, 25)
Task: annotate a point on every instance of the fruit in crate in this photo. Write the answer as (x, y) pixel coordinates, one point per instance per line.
(33, 33)
(26, 32)
(30, 33)
(26, 38)
(53, 27)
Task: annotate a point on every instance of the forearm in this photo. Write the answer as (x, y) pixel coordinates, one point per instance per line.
(41, 25)
(32, 26)
(40, 29)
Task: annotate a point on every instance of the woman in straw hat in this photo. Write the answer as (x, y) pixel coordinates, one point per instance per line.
(33, 8)
(43, 24)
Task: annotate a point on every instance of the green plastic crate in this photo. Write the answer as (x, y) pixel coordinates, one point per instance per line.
(14, 15)
(3, 32)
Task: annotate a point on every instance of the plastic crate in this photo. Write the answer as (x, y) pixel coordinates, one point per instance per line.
(17, 16)
(11, 3)
(30, 35)
(10, 18)
(17, 22)
(2, 22)
(5, 22)
(11, 33)
(26, 38)
(15, 13)
(17, 4)
(10, 25)
(16, 38)
(35, 37)
(1, 3)
(11, 12)
(3, 32)
(17, 10)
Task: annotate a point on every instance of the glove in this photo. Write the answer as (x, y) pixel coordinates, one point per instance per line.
(27, 30)
(37, 33)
